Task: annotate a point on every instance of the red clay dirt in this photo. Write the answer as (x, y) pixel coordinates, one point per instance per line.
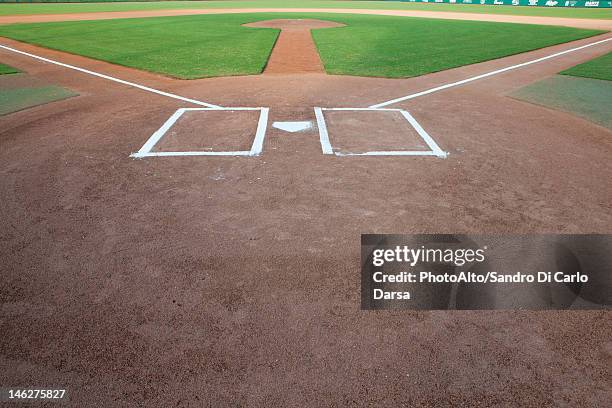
(234, 281)
(294, 51)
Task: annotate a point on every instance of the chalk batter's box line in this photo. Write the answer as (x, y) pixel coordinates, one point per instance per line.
(256, 147)
(327, 148)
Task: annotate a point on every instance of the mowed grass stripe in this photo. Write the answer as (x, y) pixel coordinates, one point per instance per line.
(5, 69)
(585, 97)
(46, 8)
(217, 45)
(13, 100)
(598, 68)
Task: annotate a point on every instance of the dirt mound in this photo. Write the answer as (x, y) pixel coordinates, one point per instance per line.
(295, 24)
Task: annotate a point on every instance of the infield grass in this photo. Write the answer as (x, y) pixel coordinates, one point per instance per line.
(5, 69)
(13, 100)
(588, 98)
(406, 47)
(183, 47)
(598, 68)
(216, 45)
(47, 8)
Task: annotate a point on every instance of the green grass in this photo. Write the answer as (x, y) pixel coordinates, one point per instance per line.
(183, 47)
(590, 99)
(46, 8)
(598, 68)
(5, 69)
(214, 45)
(405, 47)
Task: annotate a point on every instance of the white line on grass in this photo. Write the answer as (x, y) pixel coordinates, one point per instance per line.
(488, 74)
(110, 78)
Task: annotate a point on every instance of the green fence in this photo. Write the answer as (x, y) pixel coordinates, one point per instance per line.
(77, 1)
(533, 3)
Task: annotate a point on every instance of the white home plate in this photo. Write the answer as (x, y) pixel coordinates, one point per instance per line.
(292, 126)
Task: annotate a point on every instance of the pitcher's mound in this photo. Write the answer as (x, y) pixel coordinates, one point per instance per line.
(294, 52)
(295, 24)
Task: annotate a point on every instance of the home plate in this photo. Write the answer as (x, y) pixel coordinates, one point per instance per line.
(292, 126)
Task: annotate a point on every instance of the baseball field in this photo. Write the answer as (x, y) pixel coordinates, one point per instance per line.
(184, 185)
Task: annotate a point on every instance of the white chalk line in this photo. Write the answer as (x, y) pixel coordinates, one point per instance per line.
(323, 135)
(435, 149)
(488, 74)
(392, 153)
(175, 154)
(110, 78)
(262, 125)
(256, 147)
(327, 148)
(155, 137)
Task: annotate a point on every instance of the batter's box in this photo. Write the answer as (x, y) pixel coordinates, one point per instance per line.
(209, 132)
(373, 132)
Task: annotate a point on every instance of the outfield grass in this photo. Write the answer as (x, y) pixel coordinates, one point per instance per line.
(598, 68)
(215, 45)
(46, 8)
(5, 69)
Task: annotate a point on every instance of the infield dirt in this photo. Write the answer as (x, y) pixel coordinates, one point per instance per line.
(238, 278)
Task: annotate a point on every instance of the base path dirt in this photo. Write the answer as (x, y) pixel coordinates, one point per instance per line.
(558, 21)
(294, 51)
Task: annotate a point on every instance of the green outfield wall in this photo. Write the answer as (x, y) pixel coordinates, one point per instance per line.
(527, 3)
(532, 3)
(82, 1)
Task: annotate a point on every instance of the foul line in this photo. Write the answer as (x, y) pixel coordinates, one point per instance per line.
(110, 78)
(499, 71)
